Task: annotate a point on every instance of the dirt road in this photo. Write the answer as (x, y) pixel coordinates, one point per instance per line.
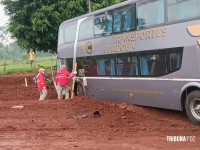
(29, 124)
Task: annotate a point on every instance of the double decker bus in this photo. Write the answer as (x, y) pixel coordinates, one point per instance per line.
(143, 52)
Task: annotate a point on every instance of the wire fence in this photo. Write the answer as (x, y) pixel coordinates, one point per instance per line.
(17, 65)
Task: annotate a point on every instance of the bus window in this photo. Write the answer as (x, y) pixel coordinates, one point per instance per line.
(125, 19)
(106, 67)
(99, 25)
(180, 10)
(119, 66)
(103, 25)
(61, 36)
(112, 63)
(69, 64)
(101, 67)
(129, 19)
(86, 30)
(81, 66)
(175, 60)
(91, 67)
(109, 24)
(160, 65)
(134, 66)
(70, 33)
(59, 64)
(153, 64)
(144, 66)
(150, 13)
(117, 21)
(127, 66)
(110, 67)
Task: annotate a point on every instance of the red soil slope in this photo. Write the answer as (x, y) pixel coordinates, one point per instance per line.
(56, 124)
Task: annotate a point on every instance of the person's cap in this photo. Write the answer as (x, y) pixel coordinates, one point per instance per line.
(41, 69)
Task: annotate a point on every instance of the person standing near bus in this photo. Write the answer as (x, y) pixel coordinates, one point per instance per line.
(31, 57)
(63, 81)
(41, 84)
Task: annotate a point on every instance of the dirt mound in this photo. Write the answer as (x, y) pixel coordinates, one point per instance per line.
(24, 119)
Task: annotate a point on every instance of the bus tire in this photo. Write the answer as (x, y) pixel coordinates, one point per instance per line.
(192, 106)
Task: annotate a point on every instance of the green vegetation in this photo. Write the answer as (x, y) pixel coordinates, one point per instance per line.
(14, 59)
(9, 67)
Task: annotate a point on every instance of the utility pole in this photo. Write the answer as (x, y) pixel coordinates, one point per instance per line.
(89, 3)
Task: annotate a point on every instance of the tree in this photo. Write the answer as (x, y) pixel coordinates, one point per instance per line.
(4, 35)
(98, 4)
(35, 23)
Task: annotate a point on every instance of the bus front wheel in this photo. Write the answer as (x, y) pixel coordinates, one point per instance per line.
(192, 106)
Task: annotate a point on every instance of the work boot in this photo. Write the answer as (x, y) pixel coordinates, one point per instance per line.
(67, 96)
(59, 97)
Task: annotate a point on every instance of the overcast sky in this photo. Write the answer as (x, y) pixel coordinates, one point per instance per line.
(3, 17)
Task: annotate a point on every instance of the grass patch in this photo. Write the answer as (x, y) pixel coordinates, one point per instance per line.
(11, 68)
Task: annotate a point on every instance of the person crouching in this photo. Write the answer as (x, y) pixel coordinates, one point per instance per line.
(41, 84)
(63, 81)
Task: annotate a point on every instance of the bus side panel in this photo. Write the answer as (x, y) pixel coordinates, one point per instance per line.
(155, 93)
(198, 60)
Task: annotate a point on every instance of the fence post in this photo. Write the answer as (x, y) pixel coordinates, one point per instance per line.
(4, 66)
(34, 62)
(51, 68)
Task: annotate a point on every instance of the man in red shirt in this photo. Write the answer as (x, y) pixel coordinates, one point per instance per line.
(41, 84)
(63, 81)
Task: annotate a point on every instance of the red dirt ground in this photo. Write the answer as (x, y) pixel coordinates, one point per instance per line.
(50, 125)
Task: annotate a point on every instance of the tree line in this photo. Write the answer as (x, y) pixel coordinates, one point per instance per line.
(35, 23)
